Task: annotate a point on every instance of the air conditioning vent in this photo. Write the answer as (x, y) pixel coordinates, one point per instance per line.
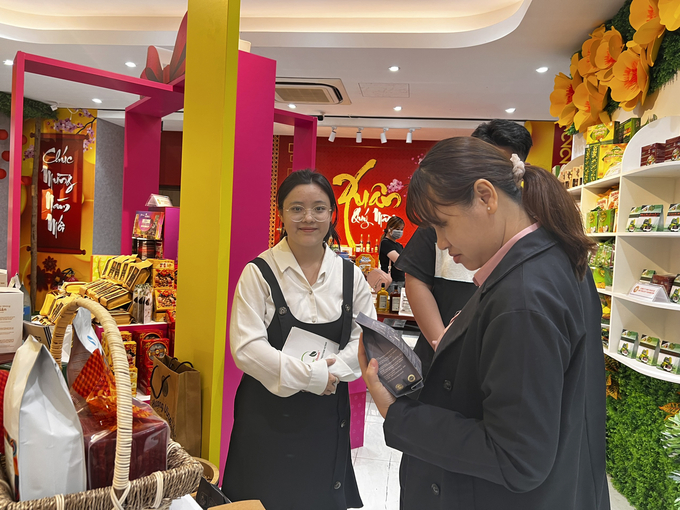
(310, 91)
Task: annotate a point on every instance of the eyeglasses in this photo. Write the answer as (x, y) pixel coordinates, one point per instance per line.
(298, 213)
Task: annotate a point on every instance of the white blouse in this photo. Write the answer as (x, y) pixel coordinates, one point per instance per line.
(253, 309)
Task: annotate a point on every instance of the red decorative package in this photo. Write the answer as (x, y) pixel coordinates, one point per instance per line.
(94, 392)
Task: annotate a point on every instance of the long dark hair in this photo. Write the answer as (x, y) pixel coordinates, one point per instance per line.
(309, 176)
(447, 175)
(392, 224)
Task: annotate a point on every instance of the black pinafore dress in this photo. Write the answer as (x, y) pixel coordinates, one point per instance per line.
(293, 453)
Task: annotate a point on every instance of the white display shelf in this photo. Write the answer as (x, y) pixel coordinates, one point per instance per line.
(654, 372)
(575, 191)
(603, 325)
(666, 169)
(607, 291)
(604, 183)
(675, 235)
(663, 306)
(601, 234)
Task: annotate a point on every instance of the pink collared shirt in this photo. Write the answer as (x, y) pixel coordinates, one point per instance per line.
(484, 271)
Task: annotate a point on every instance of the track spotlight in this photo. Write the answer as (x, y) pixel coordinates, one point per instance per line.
(383, 136)
(409, 135)
(359, 134)
(331, 137)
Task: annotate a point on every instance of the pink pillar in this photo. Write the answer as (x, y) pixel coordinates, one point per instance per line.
(304, 143)
(15, 158)
(251, 192)
(141, 169)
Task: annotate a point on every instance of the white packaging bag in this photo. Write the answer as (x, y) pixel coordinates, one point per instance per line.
(43, 435)
(85, 342)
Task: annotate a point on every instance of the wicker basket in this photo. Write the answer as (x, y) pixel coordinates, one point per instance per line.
(155, 491)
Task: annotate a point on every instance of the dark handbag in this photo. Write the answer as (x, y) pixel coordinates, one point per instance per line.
(209, 495)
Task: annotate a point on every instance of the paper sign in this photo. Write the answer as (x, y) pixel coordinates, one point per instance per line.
(308, 346)
(404, 306)
(158, 201)
(649, 292)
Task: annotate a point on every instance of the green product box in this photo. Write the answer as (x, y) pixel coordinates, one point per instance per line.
(602, 133)
(650, 219)
(669, 357)
(587, 164)
(627, 130)
(674, 294)
(591, 221)
(605, 221)
(633, 218)
(605, 337)
(609, 157)
(648, 350)
(602, 276)
(592, 162)
(647, 275)
(672, 223)
(627, 343)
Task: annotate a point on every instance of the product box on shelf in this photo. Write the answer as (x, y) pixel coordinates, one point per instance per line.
(673, 149)
(605, 337)
(602, 276)
(672, 223)
(675, 291)
(590, 164)
(633, 218)
(602, 133)
(650, 219)
(654, 153)
(665, 280)
(11, 318)
(148, 225)
(647, 275)
(605, 221)
(669, 357)
(609, 158)
(627, 129)
(591, 221)
(628, 343)
(648, 350)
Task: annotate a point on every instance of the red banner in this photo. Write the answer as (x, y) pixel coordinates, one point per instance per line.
(60, 191)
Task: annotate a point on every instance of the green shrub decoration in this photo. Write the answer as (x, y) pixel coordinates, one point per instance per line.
(639, 465)
(32, 109)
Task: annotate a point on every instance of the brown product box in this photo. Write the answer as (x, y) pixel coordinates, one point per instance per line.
(654, 153)
(673, 149)
(665, 280)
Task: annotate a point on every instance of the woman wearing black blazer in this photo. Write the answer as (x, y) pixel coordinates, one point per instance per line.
(512, 415)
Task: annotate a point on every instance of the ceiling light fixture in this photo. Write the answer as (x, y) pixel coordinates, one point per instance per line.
(8, 62)
(98, 101)
(130, 64)
(510, 110)
(383, 136)
(359, 130)
(292, 106)
(542, 69)
(409, 135)
(394, 69)
(331, 137)
(397, 108)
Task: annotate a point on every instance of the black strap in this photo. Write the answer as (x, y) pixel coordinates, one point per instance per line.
(347, 301)
(282, 310)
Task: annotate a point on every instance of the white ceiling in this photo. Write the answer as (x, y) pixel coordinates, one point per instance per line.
(463, 61)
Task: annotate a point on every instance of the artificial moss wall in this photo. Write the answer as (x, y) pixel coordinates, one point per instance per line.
(637, 462)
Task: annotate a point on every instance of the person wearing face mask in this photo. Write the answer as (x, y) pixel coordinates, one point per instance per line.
(290, 444)
(390, 249)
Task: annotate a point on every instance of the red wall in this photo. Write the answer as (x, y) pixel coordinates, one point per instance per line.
(379, 191)
(171, 158)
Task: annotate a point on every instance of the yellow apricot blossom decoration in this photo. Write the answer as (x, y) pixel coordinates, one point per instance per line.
(669, 14)
(649, 31)
(630, 82)
(607, 52)
(590, 99)
(586, 66)
(561, 99)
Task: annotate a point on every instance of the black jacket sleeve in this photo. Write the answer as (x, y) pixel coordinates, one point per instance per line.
(419, 256)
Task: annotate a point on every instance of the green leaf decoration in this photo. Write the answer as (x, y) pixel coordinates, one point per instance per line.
(32, 109)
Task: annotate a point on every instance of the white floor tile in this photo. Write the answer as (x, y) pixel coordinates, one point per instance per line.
(372, 414)
(393, 487)
(618, 502)
(374, 444)
(372, 478)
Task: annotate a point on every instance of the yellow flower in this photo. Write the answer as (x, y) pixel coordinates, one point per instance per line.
(586, 65)
(649, 31)
(631, 78)
(607, 52)
(590, 99)
(561, 99)
(669, 14)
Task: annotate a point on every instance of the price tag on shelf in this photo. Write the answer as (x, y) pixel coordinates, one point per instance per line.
(649, 292)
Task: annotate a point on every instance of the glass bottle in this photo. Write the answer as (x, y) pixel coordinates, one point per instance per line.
(383, 300)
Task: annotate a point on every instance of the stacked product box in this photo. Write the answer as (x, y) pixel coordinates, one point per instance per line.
(150, 344)
(131, 351)
(669, 357)
(645, 218)
(647, 351)
(628, 343)
(605, 146)
(652, 154)
(672, 223)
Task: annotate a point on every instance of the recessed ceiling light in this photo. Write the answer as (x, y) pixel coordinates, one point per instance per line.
(292, 106)
(541, 69)
(8, 62)
(510, 110)
(95, 100)
(397, 108)
(394, 69)
(130, 64)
